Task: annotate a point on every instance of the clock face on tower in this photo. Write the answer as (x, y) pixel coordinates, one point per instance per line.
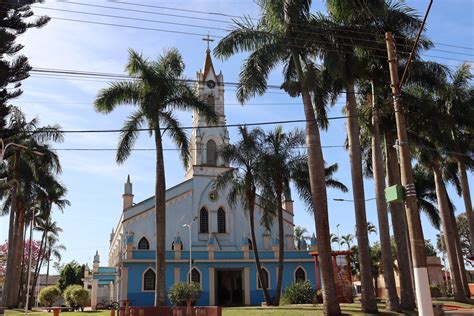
(211, 84)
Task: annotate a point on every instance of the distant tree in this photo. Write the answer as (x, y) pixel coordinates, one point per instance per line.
(430, 249)
(70, 274)
(299, 234)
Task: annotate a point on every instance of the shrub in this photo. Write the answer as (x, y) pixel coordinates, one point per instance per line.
(435, 291)
(299, 293)
(181, 292)
(76, 296)
(48, 295)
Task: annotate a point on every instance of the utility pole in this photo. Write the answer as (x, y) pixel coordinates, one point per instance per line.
(420, 271)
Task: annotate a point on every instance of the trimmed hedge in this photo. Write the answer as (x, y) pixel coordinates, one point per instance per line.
(301, 292)
(181, 292)
(76, 296)
(48, 295)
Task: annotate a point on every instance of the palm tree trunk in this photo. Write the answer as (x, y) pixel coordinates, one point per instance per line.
(47, 267)
(18, 261)
(407, 296)
(11, 284)
(459, 254)
(449, 238)
(39, 262)
(319, 197)
(281, 244)
(160, 224)
(251, 203)
(393, 303)
(369, 303)
(466, 194)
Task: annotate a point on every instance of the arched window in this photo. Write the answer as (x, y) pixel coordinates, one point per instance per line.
(195, 276)
(203, 221)
(149, 280)
(265, 277)
(143, 244)
(300, 275)
(220, 220)
(211, 151)
(211, 102)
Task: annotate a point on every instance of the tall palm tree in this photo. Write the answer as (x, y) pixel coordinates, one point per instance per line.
(26, 168)
(269, 45)
(157, 91)
(457, 97)
(53, 250)
(347, 67)
(244, 180)
(431, 135)
(54, 193)
(278, 163)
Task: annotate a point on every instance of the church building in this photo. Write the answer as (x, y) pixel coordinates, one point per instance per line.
(200, 224)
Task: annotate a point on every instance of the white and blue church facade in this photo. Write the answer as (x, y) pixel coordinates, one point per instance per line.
(222, 258)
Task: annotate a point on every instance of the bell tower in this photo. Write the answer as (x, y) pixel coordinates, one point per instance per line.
(206, 140)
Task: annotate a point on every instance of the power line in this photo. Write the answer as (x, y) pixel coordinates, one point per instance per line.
(193, 127)
(256, 19)
(167, 149)
(228, 30)
(221, 29)
(112, 76)
(220, 37)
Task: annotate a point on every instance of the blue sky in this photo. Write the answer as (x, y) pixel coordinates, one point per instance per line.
(95, 181)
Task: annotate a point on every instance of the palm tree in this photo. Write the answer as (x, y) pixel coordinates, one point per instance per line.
(302, 183)
(457, 97)
(278, 163)
(269, 45)
(244, 180)
(347, 67)
(53, 250)
(335, 239)
(54, 193)
(433, 136)
(157, 92)
(27, 168)
(347, 240)
(371, 228)
(299, 233)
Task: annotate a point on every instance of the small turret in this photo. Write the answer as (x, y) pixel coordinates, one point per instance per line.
(127, 194)
(95, 264)
(112, 234)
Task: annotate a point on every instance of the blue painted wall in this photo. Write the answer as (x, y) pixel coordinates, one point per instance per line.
(140, 298)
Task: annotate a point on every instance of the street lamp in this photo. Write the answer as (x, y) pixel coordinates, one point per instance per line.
(189, 226)
(3, 148)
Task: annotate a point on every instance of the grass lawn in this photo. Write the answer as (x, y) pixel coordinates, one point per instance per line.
(288, 310)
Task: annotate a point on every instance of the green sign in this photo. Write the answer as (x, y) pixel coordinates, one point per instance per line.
(395, 194)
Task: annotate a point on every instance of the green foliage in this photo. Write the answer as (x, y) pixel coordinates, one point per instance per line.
(76, 296)
(429, 248)
(48, 295)
(435, 291)
(180, 292)
(301, 292)
(71, 273)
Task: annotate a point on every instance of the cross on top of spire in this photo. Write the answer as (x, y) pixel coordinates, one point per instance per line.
(208, 40)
